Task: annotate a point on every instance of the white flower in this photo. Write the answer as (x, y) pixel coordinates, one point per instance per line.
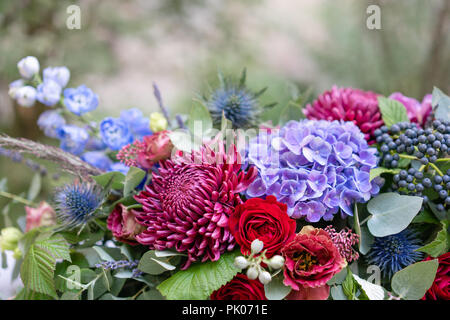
(252, 273)
(264, 277)
(276, 262)
(28, 67)
(241, 262)
(26, 96)
(60, 75)
(14, 86)
(257, 246)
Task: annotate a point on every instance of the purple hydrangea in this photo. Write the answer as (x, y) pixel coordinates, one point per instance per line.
(316, 167)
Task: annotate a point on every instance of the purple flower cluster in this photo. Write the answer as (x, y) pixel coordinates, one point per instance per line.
(315, 167)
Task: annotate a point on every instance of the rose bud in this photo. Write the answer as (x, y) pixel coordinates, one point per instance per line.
(276, 262)
(123, 224)
(157, 122)
(155, 148)
(264, 277)
(240, 262)
(28, 67)
(252, 273)
(44, 215)
(257, 246)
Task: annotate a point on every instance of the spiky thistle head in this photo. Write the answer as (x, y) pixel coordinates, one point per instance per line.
(395, 252)
(234, 100)
(77, 203)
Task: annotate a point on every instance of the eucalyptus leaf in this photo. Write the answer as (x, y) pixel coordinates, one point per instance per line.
(275, 289)
(337, 293)
(151, 264)
(151, 294)
(412, 282)
(392, 213)
(103, 254)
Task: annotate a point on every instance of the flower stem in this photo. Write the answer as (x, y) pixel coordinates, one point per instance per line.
(18, 199)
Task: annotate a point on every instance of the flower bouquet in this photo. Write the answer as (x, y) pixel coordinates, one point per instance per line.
(346, 198)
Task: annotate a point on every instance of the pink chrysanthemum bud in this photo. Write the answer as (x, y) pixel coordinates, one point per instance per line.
(348, 104)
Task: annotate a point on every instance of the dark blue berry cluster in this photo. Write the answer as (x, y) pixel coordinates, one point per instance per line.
(425, 145)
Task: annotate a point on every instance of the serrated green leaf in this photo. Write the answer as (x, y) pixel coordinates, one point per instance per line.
(412, 282)
(133, 178)
(440, 244)
(39, 263)
(200, 279)
(392, 213)
(392, 111)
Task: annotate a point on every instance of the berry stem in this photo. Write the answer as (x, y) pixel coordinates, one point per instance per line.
(443, 160)
(437, 169)
(408, 157)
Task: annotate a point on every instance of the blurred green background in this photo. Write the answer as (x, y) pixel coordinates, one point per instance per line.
(123, 46)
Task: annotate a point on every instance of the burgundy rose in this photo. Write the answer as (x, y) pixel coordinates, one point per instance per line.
(266, 220)
(154, 148)
(44, 215)
(311, 259)
(240, 288)
(440, 289)
(123, 224)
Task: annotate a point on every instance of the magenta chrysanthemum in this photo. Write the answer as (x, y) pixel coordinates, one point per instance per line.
(187, 205)
(348, 104)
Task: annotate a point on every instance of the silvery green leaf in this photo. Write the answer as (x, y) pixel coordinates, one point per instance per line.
(276, 290)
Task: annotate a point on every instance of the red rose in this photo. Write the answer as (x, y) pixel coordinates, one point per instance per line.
(311, 259)
(154, 148)
(240, 288)
(440, 289)
(123, 224)
(266, 220)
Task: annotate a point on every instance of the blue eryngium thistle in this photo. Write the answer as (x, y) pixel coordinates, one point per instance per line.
(236, 101)
(77, 203)
(395, 252)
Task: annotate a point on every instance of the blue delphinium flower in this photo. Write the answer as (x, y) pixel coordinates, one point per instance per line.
(138, 125)
(97, 159)
(115, 133)
(50, 121)
(315, 167)
(76, 204)
(395, 252)
(73, 139)
(48, 92)
(60, 75)
(236, 101)
(80, 100)
(120, 167)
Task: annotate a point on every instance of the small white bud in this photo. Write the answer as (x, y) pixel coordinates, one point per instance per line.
(264, 277)
(28, 67)
(252, 273)
(26, 96)
(276, 262)
(257, 246)
(14, 86)
(241, 262)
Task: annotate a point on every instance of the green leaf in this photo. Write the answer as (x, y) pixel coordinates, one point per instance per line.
(35, 187)
(103, 254)
(338, 278)
(70, 296)
(375, 172)
(114, 178)
(154, 265)
(348, 285)
(201, 279)
(392, 111)
(412, 282)
(425, 216)
(441, 104)
(151, 294)
(372, 291)
(275, 289)
(337, 293)
(392, 213)
(440, 244)
(199, 120)
(132, 180)
(39, 264)
(365, 241)
(292, 111)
